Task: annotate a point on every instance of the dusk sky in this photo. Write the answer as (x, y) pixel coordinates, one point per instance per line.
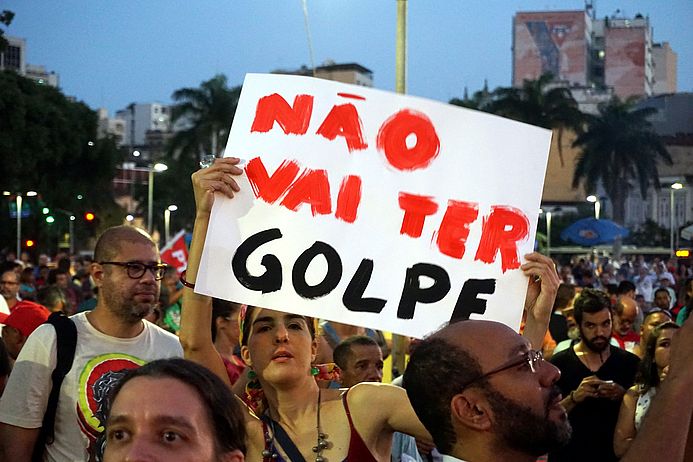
(111, 53)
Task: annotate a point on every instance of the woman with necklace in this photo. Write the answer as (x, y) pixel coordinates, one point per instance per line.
(297, 421)
(651, 373)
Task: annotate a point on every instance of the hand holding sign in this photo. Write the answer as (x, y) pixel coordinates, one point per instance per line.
(219, 177)
(541, 292)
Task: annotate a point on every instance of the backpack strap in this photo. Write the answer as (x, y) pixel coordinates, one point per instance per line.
(66, 340)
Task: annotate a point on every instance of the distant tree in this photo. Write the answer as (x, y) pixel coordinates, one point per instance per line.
(6, 18)
(206, 114)
(619, 147)
(479, 100)
(539, 103)
(649, 234)
(48, 144)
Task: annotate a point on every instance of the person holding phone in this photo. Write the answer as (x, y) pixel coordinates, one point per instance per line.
(594, 377)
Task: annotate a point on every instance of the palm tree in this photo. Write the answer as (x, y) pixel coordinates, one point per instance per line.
(207, 113)
(619, 147)
(479, 100)
(538, 103)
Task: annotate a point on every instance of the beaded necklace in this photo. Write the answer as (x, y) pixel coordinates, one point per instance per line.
(270, 453)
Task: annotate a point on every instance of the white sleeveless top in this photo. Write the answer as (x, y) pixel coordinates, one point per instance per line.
(643, 405)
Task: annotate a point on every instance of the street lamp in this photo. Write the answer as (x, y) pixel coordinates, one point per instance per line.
(158, 167)
(18, 199)
(71, 227)
(167, 221)
(672, 189)
(597, 205)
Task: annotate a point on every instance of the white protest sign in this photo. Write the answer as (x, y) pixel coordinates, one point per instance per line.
(375, 209)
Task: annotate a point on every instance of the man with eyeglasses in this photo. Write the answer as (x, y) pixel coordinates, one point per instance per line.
(9, 288)
(485, 395)
(110, 340)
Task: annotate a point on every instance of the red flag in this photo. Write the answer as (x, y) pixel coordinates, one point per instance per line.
(175, 253)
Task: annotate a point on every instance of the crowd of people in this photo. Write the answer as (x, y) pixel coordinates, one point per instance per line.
(600, 372)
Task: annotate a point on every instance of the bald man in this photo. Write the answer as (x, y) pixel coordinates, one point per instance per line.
(625, 316)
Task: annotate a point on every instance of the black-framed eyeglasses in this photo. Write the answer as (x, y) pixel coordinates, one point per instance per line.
(136, 269)
(532, 358)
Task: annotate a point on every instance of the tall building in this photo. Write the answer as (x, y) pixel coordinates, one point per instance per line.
(558, 42)
(665, 64)
(614, 53)
(353, 73)
(110, 126)
(14, 57)
(142, 117)
(41, 76)
(628, 64)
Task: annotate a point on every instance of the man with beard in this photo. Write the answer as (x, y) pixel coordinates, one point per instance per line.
(113, 337)
(594, 377)
(485, 395)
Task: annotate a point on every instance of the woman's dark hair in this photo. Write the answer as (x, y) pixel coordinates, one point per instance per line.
(648, 375)
(245, 328)
(222, 309)
(224, 411)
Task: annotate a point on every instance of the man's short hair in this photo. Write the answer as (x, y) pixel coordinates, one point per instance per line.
(108, 245)
(662, 289)
(565, 294)
(342, 352)
(433, 376)
(222, 408)
(590, 301)
(625, 287)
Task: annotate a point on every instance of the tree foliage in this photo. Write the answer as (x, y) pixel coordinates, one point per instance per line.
(6, 18)
(206, 113)
(48, 144)
(539, 103)
(619, 149)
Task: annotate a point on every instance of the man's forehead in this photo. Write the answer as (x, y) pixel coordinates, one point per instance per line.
(487, 340)
(134, 250)
(361, 351)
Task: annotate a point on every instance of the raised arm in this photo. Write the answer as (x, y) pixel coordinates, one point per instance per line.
(383, 407)
(196, 316)
(541, 293)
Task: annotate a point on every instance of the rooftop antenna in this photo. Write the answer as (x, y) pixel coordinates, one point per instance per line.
(310, 40)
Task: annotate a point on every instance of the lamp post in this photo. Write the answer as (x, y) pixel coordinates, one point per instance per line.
(167, 221)
(71, 227)
(597, 205)
(158, 167)
(672, 211)
(18, 200)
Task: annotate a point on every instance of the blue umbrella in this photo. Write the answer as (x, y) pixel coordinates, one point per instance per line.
(590, 231)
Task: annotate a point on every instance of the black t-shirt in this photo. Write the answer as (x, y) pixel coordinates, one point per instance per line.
(594, 419)
(558, 327)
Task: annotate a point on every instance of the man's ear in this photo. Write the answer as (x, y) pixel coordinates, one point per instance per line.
(471, 409)
(96, 270)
